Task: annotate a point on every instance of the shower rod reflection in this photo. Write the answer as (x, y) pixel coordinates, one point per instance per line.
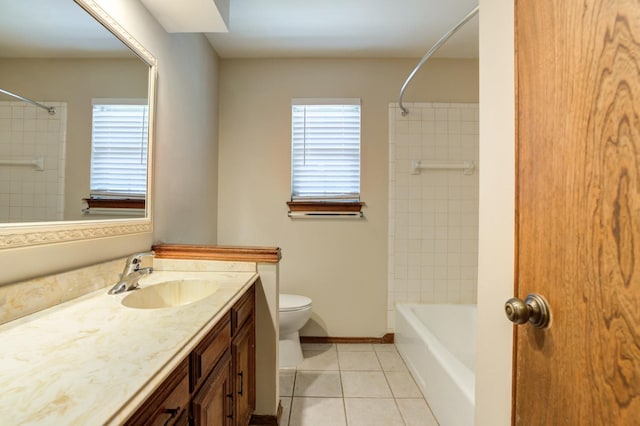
(50, 110)
(431, 51)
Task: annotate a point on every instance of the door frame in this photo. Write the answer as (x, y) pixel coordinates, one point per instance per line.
(496, 213)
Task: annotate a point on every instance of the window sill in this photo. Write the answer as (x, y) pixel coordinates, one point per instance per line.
(325, 209)
(114, 206)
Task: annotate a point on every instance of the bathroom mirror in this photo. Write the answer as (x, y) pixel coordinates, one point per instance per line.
(72, 56)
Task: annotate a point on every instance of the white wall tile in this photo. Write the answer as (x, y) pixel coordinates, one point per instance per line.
(434, 226)
(26, 133)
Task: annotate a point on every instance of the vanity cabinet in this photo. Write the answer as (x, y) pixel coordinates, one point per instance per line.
(215, 384)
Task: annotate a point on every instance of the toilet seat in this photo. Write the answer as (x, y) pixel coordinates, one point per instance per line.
(293, 302)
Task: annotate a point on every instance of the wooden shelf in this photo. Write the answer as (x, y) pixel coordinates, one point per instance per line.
(215, 252)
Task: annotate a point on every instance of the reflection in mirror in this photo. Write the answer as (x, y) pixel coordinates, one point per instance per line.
(88, 160)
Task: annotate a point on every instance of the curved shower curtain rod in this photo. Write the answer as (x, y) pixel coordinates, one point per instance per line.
(431, 51)
(51, 110)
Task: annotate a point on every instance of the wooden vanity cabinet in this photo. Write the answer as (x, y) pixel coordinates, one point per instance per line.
(215, 385)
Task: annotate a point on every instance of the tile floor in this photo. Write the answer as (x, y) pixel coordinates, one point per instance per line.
(354, 385)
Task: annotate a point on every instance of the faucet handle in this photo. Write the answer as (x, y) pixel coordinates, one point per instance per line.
(133, 262)
(136, 258)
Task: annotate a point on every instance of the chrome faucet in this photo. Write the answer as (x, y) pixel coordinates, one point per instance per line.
(132, 273)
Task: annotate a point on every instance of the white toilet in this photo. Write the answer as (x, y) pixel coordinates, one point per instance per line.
(294, 313)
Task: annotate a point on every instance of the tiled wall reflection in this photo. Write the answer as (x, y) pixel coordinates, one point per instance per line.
(433, 215)
(29, 133)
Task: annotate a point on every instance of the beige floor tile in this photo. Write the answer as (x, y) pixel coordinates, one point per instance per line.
(354, 347)
(317, 412)
(385, 347)
(391, 361)
(286, 410)
(287, 377)
(402, 384)
(319, 360)
(318, 383)
(372, 412)
(416, 412)
(358, 361)
(365, 384)
(318, 347)
(369, 376)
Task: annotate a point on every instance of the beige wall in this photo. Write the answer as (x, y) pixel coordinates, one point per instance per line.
(185, 154)
(340, 264)
(77, 82)
(496, 213)
(186, 158)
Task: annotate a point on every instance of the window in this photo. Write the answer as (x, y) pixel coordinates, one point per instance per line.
(325, 154)
(119, 148)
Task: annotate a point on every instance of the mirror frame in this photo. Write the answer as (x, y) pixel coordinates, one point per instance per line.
(14, 235)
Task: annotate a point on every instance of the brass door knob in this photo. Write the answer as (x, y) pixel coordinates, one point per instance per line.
(534, 309)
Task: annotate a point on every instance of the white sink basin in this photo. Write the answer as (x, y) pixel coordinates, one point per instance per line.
(169, 294)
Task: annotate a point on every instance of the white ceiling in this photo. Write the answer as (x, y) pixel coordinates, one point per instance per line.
(346, 28)
(54, 28)
(257, 28)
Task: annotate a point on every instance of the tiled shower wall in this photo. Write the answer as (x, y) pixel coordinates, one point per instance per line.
(433, 215)
(26, 133)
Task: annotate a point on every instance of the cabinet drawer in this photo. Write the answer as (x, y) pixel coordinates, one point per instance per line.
(242, 310)
(205, 356)
(167, 404)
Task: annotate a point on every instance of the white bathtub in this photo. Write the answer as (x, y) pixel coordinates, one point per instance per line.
(438, 343)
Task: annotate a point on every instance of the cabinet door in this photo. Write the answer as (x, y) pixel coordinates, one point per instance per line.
(213, 404)
(244, 369)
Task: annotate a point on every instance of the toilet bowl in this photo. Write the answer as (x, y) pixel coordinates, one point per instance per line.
(294, 313)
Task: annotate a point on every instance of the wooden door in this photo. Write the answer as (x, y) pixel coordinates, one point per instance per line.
(578, 210)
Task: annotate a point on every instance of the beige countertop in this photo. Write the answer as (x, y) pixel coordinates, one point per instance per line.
(93, 361)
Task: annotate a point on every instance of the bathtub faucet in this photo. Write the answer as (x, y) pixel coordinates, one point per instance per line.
(132, 273)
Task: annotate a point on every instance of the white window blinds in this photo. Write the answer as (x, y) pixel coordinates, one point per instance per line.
(119, 149)
(325, 156)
